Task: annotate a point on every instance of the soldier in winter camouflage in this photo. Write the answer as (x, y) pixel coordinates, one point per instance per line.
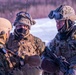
(5, 27)
(64, 44)
(25, 45)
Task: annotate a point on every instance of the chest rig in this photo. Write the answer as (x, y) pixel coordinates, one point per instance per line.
(26, 46)
(67, 47)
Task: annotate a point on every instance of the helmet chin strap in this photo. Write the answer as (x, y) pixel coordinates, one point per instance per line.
(65, 28)
(69, 24)
(3, 38)
(66, 23)
(24, 35)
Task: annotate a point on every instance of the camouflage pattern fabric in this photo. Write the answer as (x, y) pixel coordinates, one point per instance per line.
(3, 65)
(24, 18)
(65, 47)
(5, 28)
(28, 46)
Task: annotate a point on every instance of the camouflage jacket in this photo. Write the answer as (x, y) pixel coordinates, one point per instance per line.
(4, 66)
(65, 46)
(30, 45)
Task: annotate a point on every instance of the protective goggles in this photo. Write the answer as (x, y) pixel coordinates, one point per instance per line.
(56, 15)
(24, 14)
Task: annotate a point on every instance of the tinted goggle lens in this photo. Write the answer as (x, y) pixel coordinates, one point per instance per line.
(56, 15)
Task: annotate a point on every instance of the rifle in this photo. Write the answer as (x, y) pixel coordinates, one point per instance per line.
(60, 61)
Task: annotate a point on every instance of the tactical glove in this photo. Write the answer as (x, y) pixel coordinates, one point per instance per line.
(29, 70)
(17, 72)
(34, 60)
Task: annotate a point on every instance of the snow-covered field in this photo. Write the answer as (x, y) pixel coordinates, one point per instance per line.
(44, 28)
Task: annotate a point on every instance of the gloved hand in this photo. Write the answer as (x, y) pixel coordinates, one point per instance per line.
(29, 70)
(17, 72)
(49, 66)
(34, 60)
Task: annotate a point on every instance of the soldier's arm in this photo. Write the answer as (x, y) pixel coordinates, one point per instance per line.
(40, 46)
(48, 63)
(4, 68)
(35, 60)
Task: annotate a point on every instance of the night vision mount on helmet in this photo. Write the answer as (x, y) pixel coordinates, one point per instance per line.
(62, 13)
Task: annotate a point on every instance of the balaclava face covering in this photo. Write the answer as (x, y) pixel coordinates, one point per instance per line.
(66, 29)
(21, 33)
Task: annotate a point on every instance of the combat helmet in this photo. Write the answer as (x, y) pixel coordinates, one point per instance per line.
(5, 27)
(63, 12)
(24, 18)
(66, 13)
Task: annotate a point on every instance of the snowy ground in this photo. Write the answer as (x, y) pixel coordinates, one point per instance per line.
(45, 29)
